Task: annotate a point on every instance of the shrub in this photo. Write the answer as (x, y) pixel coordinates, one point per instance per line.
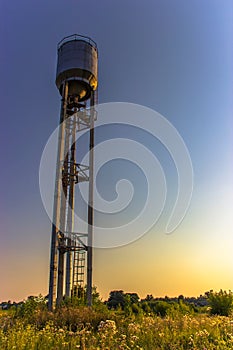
(32, 305)
(78, 318)
(221, 303)
(160, 308)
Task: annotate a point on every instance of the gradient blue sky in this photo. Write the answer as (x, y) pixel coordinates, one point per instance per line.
(174, 56)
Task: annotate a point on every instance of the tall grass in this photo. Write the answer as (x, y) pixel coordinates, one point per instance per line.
(98, 328)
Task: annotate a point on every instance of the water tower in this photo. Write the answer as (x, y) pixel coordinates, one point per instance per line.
(71, 252)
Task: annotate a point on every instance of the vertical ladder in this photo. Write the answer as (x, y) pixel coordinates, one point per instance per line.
(78, 269)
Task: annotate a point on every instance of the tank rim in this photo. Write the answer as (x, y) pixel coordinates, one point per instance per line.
(77, 37)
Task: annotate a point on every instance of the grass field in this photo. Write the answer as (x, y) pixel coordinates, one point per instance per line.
(100, 328)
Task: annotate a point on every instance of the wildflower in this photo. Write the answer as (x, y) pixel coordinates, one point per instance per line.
(203, 333)
(133, 339)
(108, 326)
(190, 340)
(133, 328)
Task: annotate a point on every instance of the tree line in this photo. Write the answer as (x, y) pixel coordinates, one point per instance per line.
(215, 303)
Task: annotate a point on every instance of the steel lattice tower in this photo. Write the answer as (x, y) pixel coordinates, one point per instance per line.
(77, 81)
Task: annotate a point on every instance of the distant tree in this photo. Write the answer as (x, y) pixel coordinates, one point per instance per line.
(149, 297)
(159, 307)
(116, 299)
(134, 298)
(127, 305)
(207, 293)
(221, 303)
(145, 306)
(180, 298)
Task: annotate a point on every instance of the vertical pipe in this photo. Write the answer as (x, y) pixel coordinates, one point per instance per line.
(90, 204)
(68, 270)
(56, 205)
(70, 214)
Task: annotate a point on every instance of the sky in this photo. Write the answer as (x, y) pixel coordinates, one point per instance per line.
(172, 56)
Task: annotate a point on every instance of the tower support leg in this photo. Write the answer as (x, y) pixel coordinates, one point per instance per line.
(57, 205)
(90, 205)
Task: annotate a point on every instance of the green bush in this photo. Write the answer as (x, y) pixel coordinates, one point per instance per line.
(160, 308)
(221, 303)
(32, 305)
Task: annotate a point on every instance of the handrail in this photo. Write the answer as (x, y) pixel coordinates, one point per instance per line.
(77, 37)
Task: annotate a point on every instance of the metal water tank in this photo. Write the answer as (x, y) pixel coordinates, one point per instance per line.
(77, 64)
